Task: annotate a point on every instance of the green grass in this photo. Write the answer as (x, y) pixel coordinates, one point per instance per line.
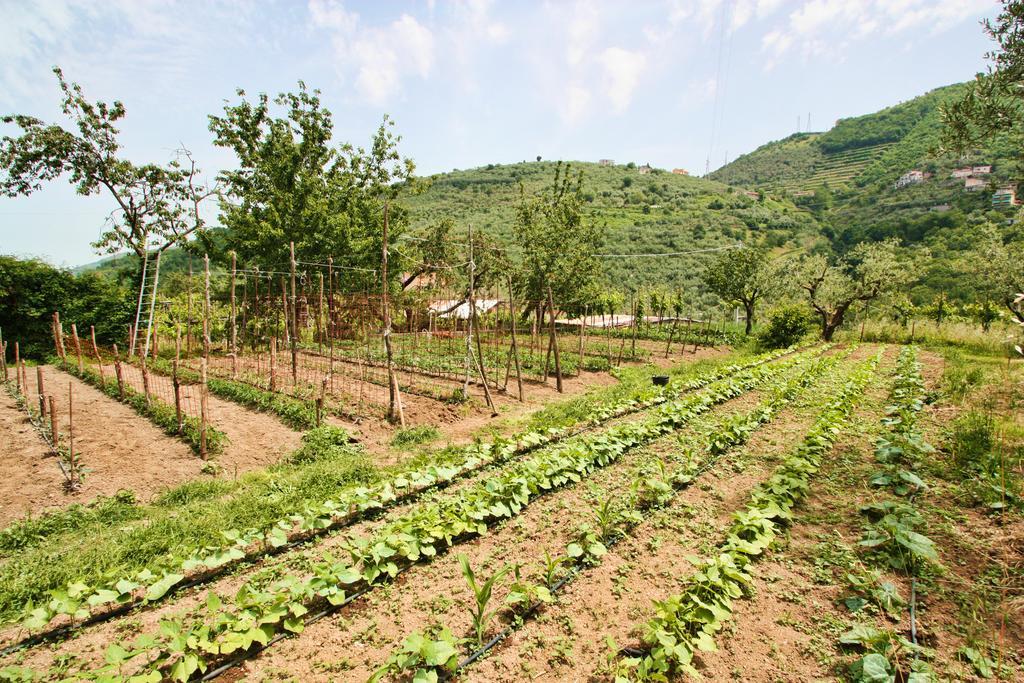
(414, 436)
(104, 511)
(188, 516)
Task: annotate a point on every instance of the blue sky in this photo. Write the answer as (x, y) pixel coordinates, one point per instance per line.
(472, 82)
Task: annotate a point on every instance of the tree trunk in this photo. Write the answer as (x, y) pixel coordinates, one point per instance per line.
(749, 309)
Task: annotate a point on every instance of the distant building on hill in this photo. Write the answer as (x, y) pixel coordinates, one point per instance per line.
(909, 178)
(645, 169)
(1004, 198)
(680, 171)
(961, 172)
(974, 184)
(981, 170)
(751, 194)
(606, 162)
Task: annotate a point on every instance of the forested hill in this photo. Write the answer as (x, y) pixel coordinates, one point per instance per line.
(644, 213)
(847, 178)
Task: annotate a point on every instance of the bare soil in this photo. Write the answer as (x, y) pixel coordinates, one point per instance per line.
(32, 481)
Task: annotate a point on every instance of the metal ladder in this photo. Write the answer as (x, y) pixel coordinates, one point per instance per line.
(146, 306)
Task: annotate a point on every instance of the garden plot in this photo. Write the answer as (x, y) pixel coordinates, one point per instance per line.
(253, 440)
(117, 448)
(79, 650)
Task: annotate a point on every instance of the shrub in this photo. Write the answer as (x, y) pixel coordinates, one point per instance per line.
(414, 435)
(972, 440)
(786, 326)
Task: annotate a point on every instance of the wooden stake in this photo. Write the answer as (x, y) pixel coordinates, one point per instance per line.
(234, 323)
(515, 346)
(319, 318)
(474, 327)
(3, 358)
(273, 364)
(330, 316)
(71, 433)
(41, 390)
(176, 382)
(118, 373)
(206, 358)
(78, 348)
(395, 409)
(145, 380)
(99, 361)
(583, 330)
(17, 366)
(54, 427)
(61, 350)
(862, 330)
(188, 315)
(320, 402)
(295, 322)
(554, 342)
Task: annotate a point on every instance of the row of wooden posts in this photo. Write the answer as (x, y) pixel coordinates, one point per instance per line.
(48, 415)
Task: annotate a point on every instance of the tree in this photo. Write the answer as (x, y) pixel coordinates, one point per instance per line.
(381, 174)
(157, 206)
(998, 270)
(31, 290)
(290, 184)
(740, 277)
(995, 101)
(559, 242)
(868, 271)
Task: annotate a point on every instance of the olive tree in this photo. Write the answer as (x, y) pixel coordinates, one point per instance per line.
(741, 277)
(559, 243)
(835, 286)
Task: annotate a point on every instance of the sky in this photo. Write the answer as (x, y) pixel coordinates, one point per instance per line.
(674, 83)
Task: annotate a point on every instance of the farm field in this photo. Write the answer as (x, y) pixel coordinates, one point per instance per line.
(593, 389)
(598, 516)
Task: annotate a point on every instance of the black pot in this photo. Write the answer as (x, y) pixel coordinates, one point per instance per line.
(660, 380)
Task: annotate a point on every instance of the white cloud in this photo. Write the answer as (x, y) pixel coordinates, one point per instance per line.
(828, 28)
(576, 103)
(379, 56)
(622, 70)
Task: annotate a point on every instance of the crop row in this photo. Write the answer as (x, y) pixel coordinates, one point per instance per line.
(82, 601)
(891, 536)
(428, 658)
(224, 629)
(687, 622)
(294, 412)
(156, 411)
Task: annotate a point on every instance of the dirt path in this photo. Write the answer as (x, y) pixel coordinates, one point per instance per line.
(32, 481)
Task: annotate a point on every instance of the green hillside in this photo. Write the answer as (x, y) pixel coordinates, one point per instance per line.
(846, 178)
(656, 212)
